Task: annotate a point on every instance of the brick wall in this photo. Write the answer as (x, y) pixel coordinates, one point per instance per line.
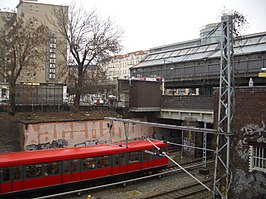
(145, 94)
(249, 126)
(187, 101)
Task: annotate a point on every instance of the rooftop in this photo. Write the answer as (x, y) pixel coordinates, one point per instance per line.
(198, 50)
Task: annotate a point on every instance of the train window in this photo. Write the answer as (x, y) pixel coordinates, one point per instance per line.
(150, 154)
(134, 157)
(103, 161)
(88, 163)
(146, 156)
(17, 173)
(75, 165)
(51, 168)
(67, 166)
(33, 171)
(5, 173)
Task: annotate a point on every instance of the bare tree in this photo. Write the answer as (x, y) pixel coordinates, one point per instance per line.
(239, 21)
(21, 46)
(90, 39)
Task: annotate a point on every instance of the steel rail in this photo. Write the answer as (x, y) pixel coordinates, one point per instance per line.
(121, 182)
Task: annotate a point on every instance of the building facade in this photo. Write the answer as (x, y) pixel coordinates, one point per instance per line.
(49, 70)
(118, 67)
(195, 64)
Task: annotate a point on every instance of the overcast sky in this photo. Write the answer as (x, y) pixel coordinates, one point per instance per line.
(151, 23)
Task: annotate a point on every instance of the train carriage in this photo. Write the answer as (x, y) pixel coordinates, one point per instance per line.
(22, 171)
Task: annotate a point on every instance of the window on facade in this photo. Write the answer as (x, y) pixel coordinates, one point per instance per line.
(257, 158)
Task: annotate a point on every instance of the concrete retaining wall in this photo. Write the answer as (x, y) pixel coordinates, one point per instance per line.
(11, 138)
(82, 133)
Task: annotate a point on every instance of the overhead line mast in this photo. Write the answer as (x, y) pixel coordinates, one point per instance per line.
(223, 172)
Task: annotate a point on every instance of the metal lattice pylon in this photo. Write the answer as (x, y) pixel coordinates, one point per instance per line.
(222, 172)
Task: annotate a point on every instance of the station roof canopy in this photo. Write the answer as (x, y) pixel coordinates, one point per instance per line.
(193, 50)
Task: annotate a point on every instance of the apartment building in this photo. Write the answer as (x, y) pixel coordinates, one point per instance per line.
(51, 68)
(118, 66)
(49, 71)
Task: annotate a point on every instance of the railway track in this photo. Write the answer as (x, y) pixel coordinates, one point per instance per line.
(172, 169)
(183, 192)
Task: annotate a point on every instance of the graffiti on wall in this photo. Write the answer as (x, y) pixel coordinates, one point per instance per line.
(91, 142)
(95, 142)
(249, 184)
(188, 146)
(250, 132)
(255, 132)
(60, 143)
(81, 133)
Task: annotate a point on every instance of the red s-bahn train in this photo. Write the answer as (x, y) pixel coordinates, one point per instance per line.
(24, 171)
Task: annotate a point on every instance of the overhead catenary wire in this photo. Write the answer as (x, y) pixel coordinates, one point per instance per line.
(166, 155)
(170, 126)
(193, 147)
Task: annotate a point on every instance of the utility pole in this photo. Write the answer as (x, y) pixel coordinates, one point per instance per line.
(223, 176)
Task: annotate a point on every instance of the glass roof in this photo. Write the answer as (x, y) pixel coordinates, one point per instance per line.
(245, 45)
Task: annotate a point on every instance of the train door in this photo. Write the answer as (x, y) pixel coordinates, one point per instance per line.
(119, 163)
(17, 178)
(148, 159)
(75, 175)
(116, 163)
(5, 180)
(134, 163)
(144, 159)
(66, 171)
(123, 162)
(71, 170)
